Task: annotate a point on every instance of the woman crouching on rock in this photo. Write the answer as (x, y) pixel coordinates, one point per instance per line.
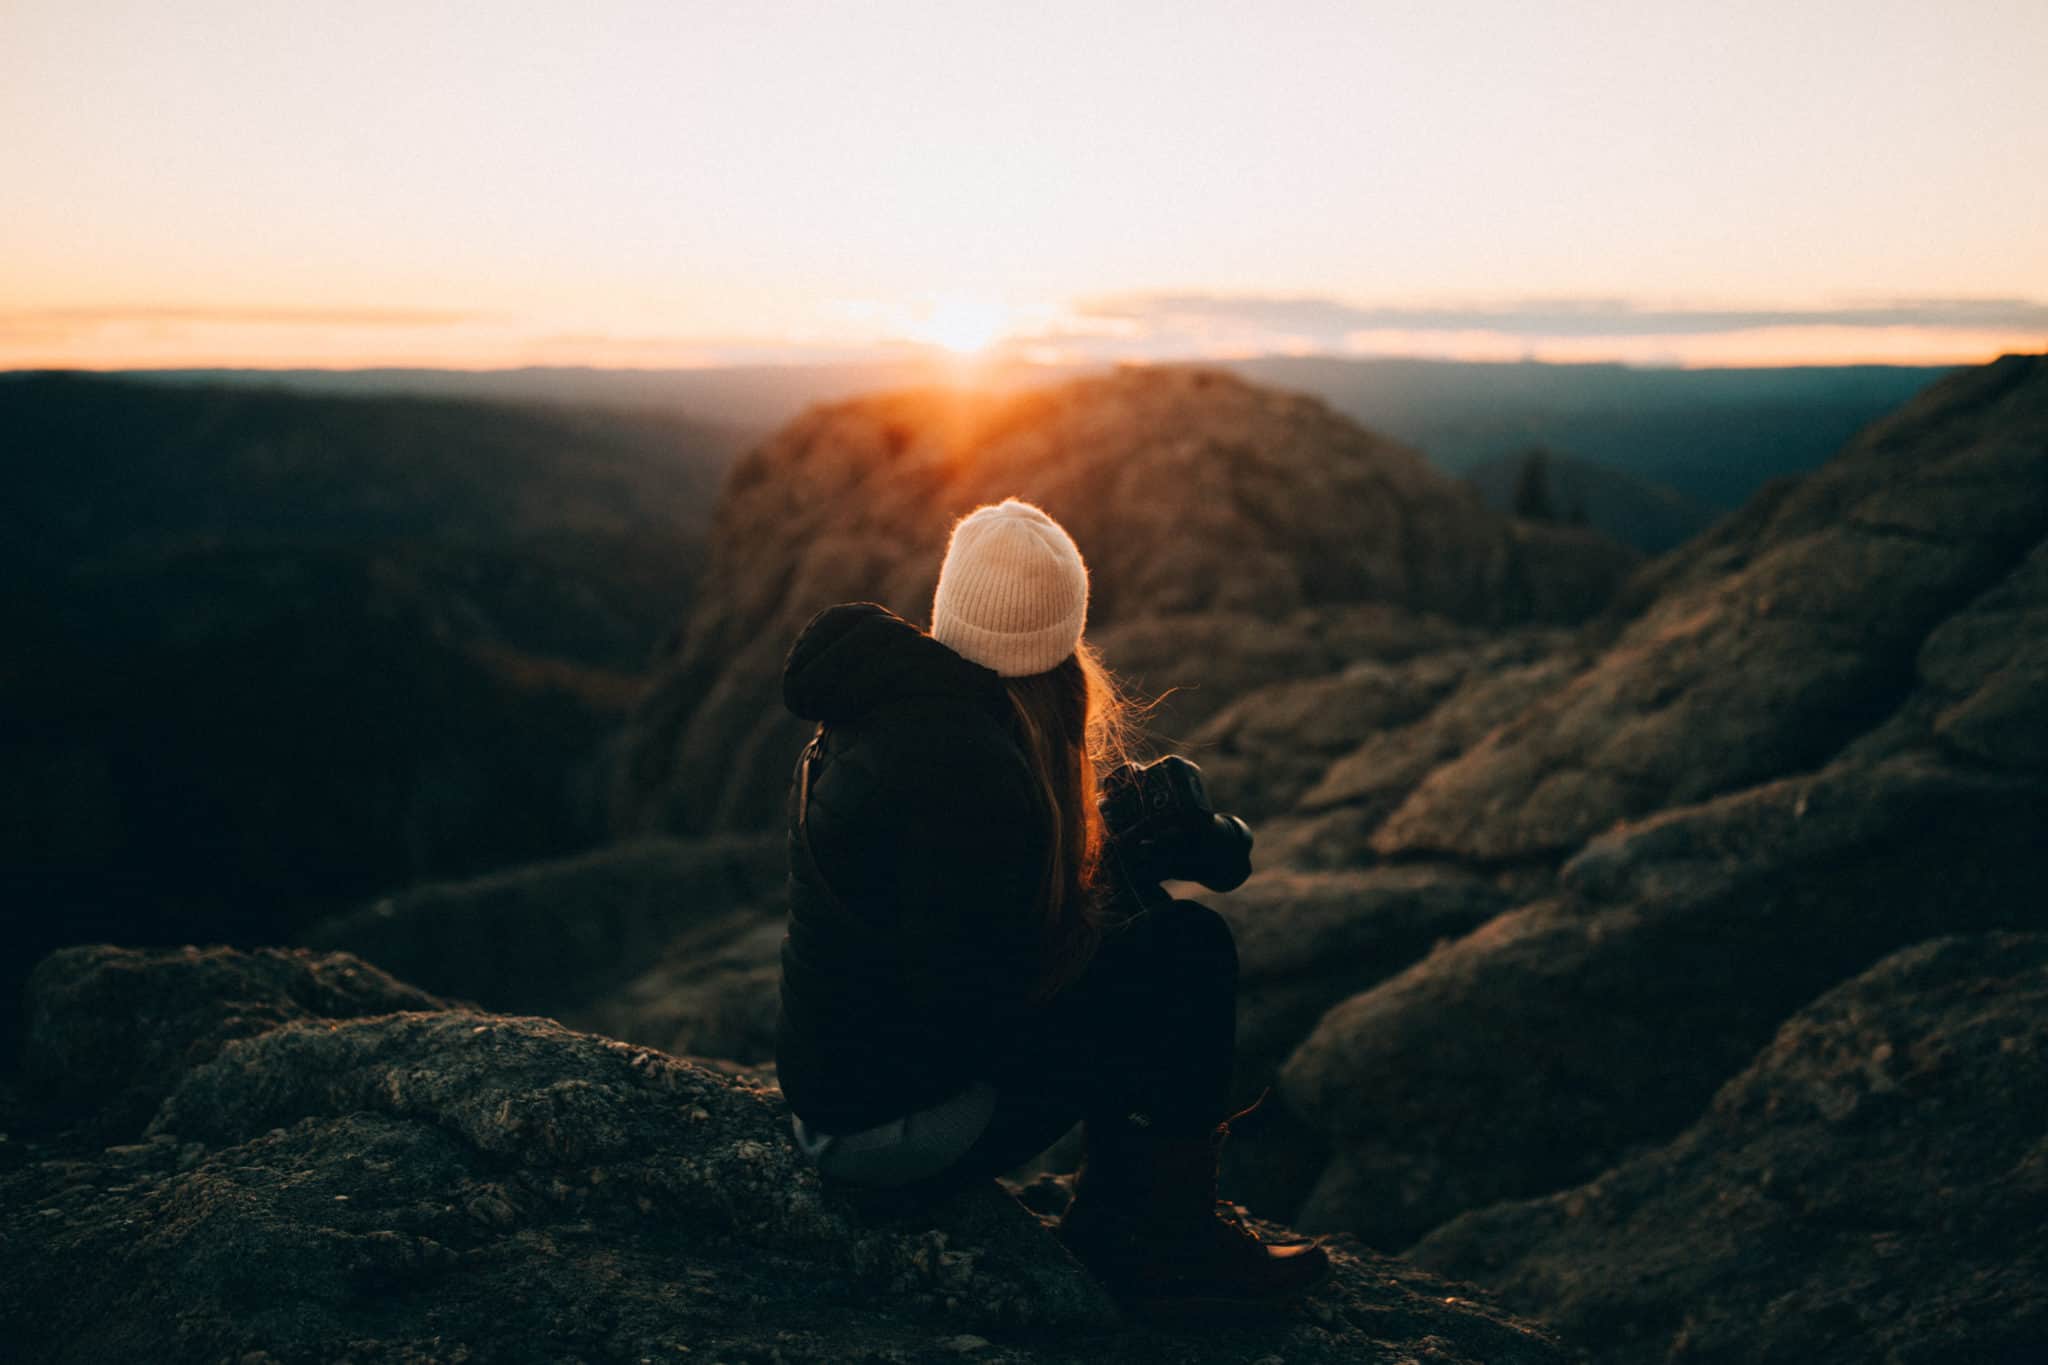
(980, 952)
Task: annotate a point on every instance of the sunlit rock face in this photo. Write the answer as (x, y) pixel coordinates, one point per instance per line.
(1776, 641)
(436, 1183)
(1818, 742)
(1232, 517)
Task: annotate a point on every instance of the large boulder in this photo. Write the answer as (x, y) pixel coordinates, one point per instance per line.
(1534, 1052)
(1190, 492)
(1872, 1188)
(1982, 680)
(1265, 750)
(437, 1184)
(1307, 940)
(1189, 665)
(1347, 796)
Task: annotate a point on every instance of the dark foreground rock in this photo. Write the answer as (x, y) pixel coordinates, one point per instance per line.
(1873, 1188)
(444, 1184)
(110, 1030)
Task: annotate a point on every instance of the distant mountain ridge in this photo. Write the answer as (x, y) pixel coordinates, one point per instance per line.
(748, 401)
(1714, 435)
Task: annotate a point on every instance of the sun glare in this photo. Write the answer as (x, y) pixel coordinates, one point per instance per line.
(964, 326)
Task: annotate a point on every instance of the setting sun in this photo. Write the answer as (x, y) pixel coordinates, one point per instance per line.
(961, 325)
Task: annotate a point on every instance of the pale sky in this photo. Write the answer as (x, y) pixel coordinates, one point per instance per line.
(201, 182)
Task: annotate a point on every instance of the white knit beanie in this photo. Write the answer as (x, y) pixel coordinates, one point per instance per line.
(1013, 592)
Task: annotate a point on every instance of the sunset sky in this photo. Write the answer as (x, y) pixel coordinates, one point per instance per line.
(415, 182)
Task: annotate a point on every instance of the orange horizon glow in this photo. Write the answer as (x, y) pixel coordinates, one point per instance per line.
(968, 338)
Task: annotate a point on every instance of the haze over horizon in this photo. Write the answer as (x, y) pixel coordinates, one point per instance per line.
(642, 184)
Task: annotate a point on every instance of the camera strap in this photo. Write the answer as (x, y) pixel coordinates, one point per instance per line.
(812, 751)
(804, 760)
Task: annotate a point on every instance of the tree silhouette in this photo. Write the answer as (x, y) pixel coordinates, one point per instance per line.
(1532, 489)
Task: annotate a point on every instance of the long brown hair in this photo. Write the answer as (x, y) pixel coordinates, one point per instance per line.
(1077, 723)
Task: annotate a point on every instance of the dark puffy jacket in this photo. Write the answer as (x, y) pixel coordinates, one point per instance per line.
(913, 944)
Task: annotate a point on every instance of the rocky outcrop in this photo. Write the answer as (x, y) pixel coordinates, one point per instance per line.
(1871, 1188)
(448, 1184)
(110, 1030)
(1189, 492)
(1537, 1050)
(1365, 734)
(1606, 1009)
(1308, 940)
(1771, 643)
(1188, 666)
(1982, 681)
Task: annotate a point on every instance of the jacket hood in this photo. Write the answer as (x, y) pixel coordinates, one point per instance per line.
(856, 656)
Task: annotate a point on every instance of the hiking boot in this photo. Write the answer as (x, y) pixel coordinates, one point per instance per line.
(1146, 1222)
(1214, 1262)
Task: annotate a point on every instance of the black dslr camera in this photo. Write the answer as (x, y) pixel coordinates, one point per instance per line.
(1162, 827)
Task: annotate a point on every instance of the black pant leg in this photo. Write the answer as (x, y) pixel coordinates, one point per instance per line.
(1186, 1032)
(1149, 1030)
